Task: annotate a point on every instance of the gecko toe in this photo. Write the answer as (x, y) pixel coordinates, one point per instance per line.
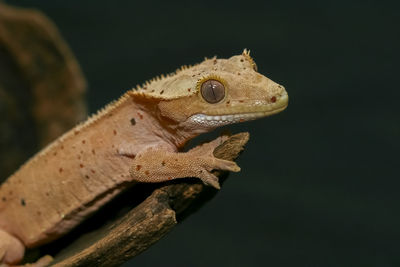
(215, 184)
(226, 165)
(210, 179)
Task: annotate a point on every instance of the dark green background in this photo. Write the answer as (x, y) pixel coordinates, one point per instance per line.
(319, 183)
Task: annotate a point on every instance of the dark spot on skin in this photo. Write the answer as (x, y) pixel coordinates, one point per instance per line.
(176, 159)
(189, 89)
(47, 194)
(10, 193)
(62, 147)
(201, 171)
(38, 213)
(115, 132)
(55, 154)
(138, 167)
(81, 165)
(215, 61)
(145, 87)
(19, 181)
(228, 102)
(60, 170)
(76, 132)
(112, 146)
(163, 163)
(241, 120)
(162, 92)
(147, 173)
(83, 141)
(133, 122)
(4, 199)
(152, 91)
(239, 73)
(241, 101)
(93, 171)
(93, 152)
(79, 156)
(81, 152)
(241, 60)
(87, 176)
(273, 99)
(140, 116)
(23, 202)
(169, 178)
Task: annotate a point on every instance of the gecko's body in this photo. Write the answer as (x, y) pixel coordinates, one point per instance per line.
(136, 138)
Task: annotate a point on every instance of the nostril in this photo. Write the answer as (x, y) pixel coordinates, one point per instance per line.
(273, 99)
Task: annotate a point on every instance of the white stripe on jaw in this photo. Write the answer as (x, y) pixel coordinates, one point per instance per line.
(220, 120)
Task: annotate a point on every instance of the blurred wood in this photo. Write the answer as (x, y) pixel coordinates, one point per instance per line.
(41, 97)
(41, 86)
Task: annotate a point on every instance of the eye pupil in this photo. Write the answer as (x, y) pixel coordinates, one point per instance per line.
(212, 91)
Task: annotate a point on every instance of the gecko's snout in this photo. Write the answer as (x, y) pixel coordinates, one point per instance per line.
(279, 97)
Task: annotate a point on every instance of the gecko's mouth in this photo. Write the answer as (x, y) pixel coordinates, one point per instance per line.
(240, 113)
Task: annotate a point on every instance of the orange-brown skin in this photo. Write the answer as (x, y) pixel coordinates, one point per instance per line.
(135, 139)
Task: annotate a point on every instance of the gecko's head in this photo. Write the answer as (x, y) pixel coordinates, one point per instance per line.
(216, 92)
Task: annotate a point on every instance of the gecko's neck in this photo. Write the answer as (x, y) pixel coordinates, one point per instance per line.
(147, 119)
(171, 131)
(180, 136)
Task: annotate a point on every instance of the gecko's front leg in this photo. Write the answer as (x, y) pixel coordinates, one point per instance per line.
(159, 164)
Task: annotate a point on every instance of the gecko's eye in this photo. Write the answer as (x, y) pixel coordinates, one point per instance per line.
(212, 91)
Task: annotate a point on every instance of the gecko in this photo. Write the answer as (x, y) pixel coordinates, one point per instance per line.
(137, 138)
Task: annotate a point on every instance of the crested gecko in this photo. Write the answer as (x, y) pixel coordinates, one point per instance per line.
(134, 139)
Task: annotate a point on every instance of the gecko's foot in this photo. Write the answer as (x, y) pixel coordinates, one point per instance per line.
(205, 153)
(208, 162)
(211, 163)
